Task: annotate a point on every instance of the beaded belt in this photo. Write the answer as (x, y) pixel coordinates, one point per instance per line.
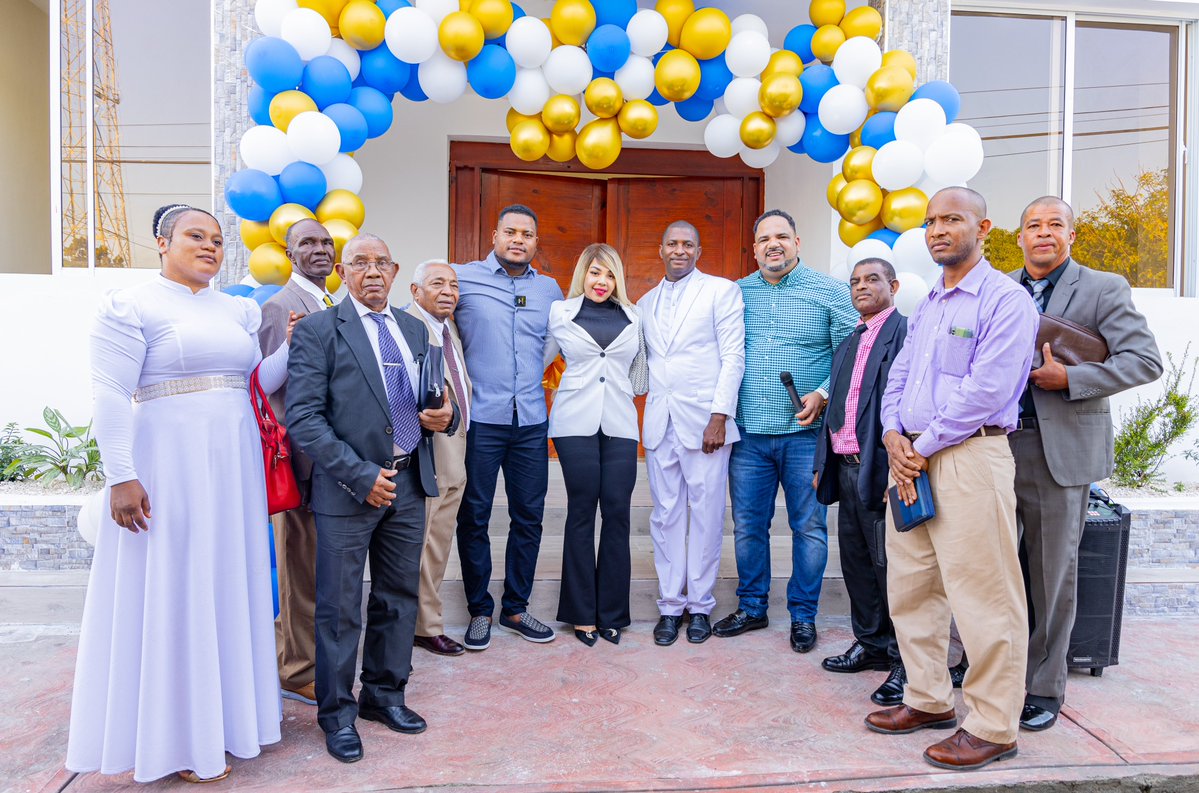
(188, 385)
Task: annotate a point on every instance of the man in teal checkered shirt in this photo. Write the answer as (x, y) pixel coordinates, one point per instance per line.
(794, 318)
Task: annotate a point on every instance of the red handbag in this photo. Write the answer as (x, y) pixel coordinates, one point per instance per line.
(282, 492)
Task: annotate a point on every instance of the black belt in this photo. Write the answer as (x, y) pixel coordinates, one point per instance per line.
(851, 459)
(981, 432)
(1028, 424)
(403, 461)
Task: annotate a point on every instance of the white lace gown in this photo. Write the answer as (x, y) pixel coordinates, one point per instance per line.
(176, 660)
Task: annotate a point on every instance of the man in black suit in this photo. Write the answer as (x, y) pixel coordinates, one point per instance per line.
(851, 468)
(353, 377)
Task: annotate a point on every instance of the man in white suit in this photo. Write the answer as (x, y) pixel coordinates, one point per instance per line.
(695, 335)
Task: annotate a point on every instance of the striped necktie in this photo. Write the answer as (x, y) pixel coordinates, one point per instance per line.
(1038, 293)
(451, 361)
(328, 301)
(400, 399)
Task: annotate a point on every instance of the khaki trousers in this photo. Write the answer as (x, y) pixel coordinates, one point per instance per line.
(441, 521)
(295, 627)
(964, 562)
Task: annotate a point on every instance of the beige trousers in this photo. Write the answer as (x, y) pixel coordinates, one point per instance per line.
(295, 627)
(441, 521)
(964, 563)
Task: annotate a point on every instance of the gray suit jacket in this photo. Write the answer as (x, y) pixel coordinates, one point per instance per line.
(1076, 424)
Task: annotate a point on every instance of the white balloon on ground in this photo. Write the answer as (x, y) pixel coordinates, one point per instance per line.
(268, 15)
(748, 53)
(313, 137)
(897, 164)
(741, 97)
(843, 109)
(955, 156)
(750, 22)
(411, 35)
(529, 42)
(647, 32)
(790, 128)
(722, 136)
(856, 60)
(911, 254)
(529, 93)
(568, 70)
(307, 31)
(90, 516)
(264, 148)
(348, 56)
(912, 289)
(920, 121)
(869, 249)
(636, 77)
(760, 158)
(438, 9)
(342, 173)
(442, 78)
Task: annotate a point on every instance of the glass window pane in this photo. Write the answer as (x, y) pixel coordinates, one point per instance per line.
(73, 77)
(1124, 144)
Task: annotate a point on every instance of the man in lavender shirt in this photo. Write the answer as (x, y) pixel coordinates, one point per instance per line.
(952, 397)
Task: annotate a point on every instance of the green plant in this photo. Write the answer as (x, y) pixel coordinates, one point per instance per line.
(71, 454)
(1151, 427)
(11, 444)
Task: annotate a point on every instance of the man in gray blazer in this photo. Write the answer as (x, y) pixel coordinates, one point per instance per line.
(1063, 441)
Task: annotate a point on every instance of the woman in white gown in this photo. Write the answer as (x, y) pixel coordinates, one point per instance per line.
(176, 660)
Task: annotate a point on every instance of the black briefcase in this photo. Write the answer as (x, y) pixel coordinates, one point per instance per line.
(1102, 565)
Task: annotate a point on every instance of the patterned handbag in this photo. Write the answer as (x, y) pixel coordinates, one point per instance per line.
(282, 492)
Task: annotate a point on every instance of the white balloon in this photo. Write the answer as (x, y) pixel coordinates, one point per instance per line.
(930, 187)
(920, 121)
(307, 31)
(268, 14)
(839, 271)
(529, 93)
(438, 9)
(955, 156)
(313, 137)
(90, 516)
(790, 128)
(719, 107)
(442, 78)
(636, 77)
(722, 136)
(843, 109)
(411, 35)
(750, 22)
(856, 60)
(911, 255)
(264, 148)
(869, 249)
(347, 55)
(760, 158)
(898, 164)
(741, 97)
(529, 42)
(343, 173)
(647, 32)
(748, 53)
(568, 70)
(912, 289)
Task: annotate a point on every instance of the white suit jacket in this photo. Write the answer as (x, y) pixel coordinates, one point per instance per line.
(695, 370)
(595, 392)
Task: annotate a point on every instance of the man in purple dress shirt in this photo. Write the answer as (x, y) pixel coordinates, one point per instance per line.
(952, 397)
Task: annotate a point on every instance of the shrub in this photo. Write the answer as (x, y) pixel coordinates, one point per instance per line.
(71, 454)
(11, 444)
(1151, 427)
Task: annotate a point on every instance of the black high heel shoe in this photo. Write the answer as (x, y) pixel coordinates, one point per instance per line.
(586, 637)
(610, 635)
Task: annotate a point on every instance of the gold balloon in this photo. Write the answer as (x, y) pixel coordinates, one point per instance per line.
(342, 231)
(834, 189)
(863, 21)
(855, 137)
(560, 114)
(286, 105)
(676, 13)
(515, 118)
(904, 209)
(826, 41)
(530, 140)
(604, 97)
(889, 88)
(901, 58)
(852, 234)
(860, 201)
(572, 21)
(329, 9)
(638, 119)
(254, 234)
(677, 75)
(826, 12)
(562, 147)
(341, 204)
(332, 282)
(283, 218)
(269, 264)
(706, 33)
(758, 130)
(857, 163)
(554, 40)
(783, 62)
(460, 36)
(464, 5)
(780, 95)
(598, 144)
(494, 15)
(361, 24)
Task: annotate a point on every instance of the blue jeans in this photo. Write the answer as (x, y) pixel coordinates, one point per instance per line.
(759, 463)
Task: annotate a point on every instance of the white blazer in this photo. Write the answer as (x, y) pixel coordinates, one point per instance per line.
(595, 393)
(696, 370)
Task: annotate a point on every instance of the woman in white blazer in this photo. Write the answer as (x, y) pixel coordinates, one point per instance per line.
(593, 423)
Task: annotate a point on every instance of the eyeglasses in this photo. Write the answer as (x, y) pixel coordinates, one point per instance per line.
(361, 266)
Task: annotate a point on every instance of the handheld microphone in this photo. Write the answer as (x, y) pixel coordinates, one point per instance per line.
(789, 384)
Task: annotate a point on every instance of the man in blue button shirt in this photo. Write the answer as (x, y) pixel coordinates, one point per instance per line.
(502, 314)
(794, 319)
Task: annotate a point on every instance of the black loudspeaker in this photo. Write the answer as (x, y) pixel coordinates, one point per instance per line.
(1102, 565)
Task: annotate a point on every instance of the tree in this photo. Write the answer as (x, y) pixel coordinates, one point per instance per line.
(1002, 251)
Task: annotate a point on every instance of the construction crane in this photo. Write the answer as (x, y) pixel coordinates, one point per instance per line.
(110, 240)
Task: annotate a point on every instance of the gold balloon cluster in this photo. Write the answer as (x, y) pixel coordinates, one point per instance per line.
(865, 207)
(340, 212)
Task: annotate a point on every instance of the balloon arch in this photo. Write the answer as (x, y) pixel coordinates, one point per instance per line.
(325, 73)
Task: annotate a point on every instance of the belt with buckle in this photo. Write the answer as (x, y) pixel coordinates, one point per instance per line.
(981, 432)
(401, 462)
(852, 459)
(1028, 424)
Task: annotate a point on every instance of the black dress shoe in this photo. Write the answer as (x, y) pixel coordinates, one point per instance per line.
(738, 623)
(667, 630)
(439, 645)
(958, 673)
(699, 630)
(1036, 718)
(344, 744)
(586, 637)
(610, 635)
(803, 636)
(399, 718)
(890, 693)
(855, 659)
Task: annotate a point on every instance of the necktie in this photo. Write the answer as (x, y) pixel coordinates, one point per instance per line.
(328, 301)
(400, 399)
(451, 361)
(836, 408)
(1038, 293)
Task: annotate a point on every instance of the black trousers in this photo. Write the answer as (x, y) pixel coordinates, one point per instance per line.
(392, 538)
(861, 539)
(599, 471)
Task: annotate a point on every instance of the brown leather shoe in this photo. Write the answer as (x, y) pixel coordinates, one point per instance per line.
(901, 720)
(305, 693)
(439, 645)
(964, 752)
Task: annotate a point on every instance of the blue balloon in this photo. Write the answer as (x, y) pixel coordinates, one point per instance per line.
(238, 290)
(375, 107)
(303, 183)
(945, 95)
(614, 12)
(264, 293)
(820, 144)
(816, 81)
(799, 41)
(715, 76)
(492, 72)
(351, 124)
(797, 148)
(274, 64)
(609, 48)
(253, 194)
(412, 91)
(657, 99)
(879, 130)
(326, 80)
(389, 6)
(517, 13)
(694, 109)
(260, 105)
(886, 235)
(384, 71)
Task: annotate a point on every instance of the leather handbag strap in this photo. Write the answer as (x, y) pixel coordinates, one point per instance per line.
(265, 415)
